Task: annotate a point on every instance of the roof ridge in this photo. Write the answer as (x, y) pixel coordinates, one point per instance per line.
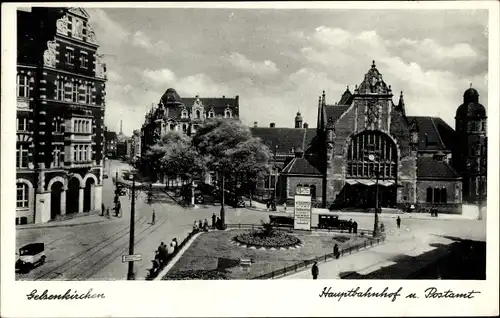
(291, 163)
(439, 135)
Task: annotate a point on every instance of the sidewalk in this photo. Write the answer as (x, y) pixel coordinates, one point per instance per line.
(399, 242)
(77, 220)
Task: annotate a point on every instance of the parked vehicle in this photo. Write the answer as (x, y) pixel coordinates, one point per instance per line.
(30, 255)
(281, 220)
(328, 221)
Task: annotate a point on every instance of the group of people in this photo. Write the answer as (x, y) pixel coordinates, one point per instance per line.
(204, 226)
(164, 253)
(352, 226)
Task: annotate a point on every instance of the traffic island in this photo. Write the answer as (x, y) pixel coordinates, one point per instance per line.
(214, 255)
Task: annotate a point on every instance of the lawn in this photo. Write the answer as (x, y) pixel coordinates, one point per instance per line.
(213, 256)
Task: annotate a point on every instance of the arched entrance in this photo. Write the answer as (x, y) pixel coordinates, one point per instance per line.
(372, 162)
(88, 195)
(55, 199)
(72, 197)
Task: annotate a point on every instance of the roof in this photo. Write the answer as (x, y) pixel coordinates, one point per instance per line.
(433, 133)
(287, 139)
(218, 104)
(335, 111)
(301, 166)
(430, 168)
(110, 135)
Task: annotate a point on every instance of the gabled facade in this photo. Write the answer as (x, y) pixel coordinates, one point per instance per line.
(60, 115)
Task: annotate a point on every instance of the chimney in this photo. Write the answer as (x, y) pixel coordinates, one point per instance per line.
(255, 124)
(272, 125)
(306, 125)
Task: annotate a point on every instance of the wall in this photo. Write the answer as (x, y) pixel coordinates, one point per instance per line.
(293, 181)
(454, 195)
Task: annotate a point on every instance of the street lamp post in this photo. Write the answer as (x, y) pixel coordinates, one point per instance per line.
(275, 170)
(131, 275)
(372, 158)
(222, 211)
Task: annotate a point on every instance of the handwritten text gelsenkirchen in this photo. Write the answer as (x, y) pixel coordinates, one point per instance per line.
(68, 295)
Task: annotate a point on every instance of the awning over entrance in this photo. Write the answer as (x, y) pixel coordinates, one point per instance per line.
(370, 182)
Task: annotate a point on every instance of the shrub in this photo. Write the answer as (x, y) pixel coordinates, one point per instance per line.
(278, 239)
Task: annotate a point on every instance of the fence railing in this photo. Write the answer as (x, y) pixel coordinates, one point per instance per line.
(152, 275)
(361, 232)
(304, 264)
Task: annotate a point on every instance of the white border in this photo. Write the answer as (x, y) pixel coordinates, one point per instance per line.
(242, 298)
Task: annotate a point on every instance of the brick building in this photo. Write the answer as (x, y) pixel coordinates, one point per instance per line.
(365, 139)
(110, 142)
(60, 114)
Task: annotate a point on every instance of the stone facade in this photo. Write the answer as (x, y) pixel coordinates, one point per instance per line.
(60, 115)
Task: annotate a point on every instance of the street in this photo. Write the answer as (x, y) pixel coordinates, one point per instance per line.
(93, 251)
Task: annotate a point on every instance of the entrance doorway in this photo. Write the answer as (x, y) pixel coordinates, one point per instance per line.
(55, 199)
(72, 197)
(88, 196)
(365, 196)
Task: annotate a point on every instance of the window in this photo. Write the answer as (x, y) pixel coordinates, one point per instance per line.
(22, 195)
(22, 124)
(197, 114)
(444, 195)
(23, 85)
(57, 157)
(227, 114)
(172, 127)
(184, 114)
(74, 92)
(75, 153)
(60, 89)
(88, 94)
(437, 195)
(80, 153)
(57, 125)
(22, 156)
(211, 114)
(184, 128)
(70, 55)
(429, 195)
(483, 125)
(84, 60)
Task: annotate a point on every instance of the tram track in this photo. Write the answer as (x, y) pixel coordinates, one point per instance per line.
(55, 272)
(109, 258)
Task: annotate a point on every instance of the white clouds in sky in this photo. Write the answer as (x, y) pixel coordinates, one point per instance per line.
(282, 70)
(258, 68)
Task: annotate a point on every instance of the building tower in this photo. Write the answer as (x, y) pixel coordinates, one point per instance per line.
(469, 155)
(298, 120)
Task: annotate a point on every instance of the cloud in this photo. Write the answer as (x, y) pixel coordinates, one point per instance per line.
(159, 77)
(140, 39)
(259, 68)
(107, 29)
(114, 76)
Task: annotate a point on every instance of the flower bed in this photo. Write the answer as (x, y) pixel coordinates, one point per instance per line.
(277, 239)
(197, 274)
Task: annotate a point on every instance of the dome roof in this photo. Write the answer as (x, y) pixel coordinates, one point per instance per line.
(171, 97)
(471, 106)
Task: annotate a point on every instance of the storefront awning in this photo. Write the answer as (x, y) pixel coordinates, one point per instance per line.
(370, 182)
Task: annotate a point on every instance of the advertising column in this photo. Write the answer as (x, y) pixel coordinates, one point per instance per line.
(302, 209)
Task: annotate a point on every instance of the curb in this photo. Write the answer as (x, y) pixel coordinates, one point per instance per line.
(176, 258)
(42, 226)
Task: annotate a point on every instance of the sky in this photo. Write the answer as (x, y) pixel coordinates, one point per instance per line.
(279, 61)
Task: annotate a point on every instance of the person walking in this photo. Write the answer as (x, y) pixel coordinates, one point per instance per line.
(336, 251)
(200, 225)
(153, 218)
(214, 217)
(349, 224)
(315, 270)
(355, 227)
(398, 222)
(176, 244)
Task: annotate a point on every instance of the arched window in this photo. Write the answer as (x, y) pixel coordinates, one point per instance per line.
(370, 152)
(184, 114)
(437, 195)
(227, 114)
(444, 195)
(211, 114)
(429, 195)
(22, 195)
(184, 128)
(198, 114)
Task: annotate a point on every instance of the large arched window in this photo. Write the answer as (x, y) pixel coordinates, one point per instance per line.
(372, 151)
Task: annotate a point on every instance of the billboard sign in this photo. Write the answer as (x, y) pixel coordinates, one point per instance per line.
(302, 212)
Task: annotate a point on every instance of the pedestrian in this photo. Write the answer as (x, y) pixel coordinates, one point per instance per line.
(213, 220)
(284, 206)
(195, 227)
(107, 213)
(349, 224)
(154, 218)
(315, 270)
(355, 227)
(218, 224)
(200, 225)
(102, 210)
(336, 250)
(162, 249)
(176, 244)
(398, 222)
(268, 203)
(205, 223)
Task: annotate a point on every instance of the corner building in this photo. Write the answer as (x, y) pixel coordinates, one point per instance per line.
(60, 115)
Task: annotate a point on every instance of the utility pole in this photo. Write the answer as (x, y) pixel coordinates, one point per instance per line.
(131, 275)
(222, 211)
